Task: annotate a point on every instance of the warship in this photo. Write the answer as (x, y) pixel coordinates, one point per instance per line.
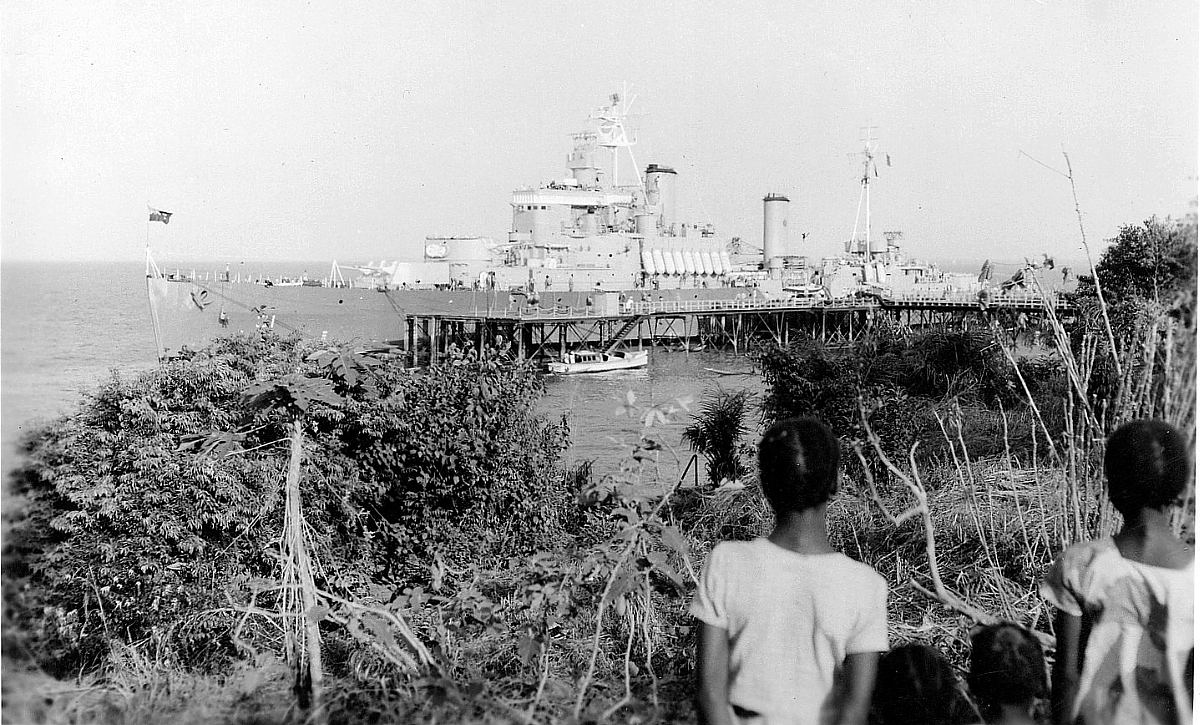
(596, 227)
(609, 226)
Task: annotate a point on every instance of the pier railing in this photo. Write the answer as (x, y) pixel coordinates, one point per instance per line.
(1021, 300)
(668, 307)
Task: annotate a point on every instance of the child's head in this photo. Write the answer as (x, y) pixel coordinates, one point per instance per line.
(1007, 668)
(916, 685)
(798, 464)
(1147, 465)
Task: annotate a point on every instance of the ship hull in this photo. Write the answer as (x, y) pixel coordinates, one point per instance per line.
(189, 314)
(193, 314)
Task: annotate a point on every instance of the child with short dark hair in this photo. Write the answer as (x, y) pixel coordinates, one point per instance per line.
(917, 686)
(1125, 603)
(791, 629)
(1008, 674)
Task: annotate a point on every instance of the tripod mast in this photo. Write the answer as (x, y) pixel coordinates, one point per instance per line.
(869, 169)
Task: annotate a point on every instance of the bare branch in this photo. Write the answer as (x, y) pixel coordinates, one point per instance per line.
(896, 520)
(975, 613)
(1112, 342)
(1043, 164)
(918, 491)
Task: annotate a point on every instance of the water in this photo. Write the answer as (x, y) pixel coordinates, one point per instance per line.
(595, 404)
(66, 327)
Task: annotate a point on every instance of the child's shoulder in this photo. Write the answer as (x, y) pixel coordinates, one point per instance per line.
(1079, 563)
(751, 555)
(731, 559)
(848, 567)
(1085, 577)
(735, 551)
(1085, 553)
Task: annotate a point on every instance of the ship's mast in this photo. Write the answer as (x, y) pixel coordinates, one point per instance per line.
(868, 154)
(612, 133)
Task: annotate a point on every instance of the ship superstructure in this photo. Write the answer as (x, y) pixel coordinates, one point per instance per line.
(873, 263)
(604, 226)
(605, 241)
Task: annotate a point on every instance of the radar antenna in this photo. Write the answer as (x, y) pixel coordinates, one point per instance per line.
(870, 169)
(612, 133)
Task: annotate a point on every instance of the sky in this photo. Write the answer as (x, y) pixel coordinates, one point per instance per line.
(350, 131)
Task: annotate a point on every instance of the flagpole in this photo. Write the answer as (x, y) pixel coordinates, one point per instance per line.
(147, 240)
(152, 272)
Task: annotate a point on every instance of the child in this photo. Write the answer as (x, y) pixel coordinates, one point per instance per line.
(1008, 674)
(791, 629)
(1125, 619)
(917, 686)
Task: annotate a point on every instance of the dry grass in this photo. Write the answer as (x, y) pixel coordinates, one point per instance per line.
(137, 689)
(992, 526)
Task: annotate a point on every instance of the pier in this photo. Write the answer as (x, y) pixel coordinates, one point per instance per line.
(538, 332)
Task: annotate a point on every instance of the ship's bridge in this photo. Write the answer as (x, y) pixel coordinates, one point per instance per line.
(570, 197)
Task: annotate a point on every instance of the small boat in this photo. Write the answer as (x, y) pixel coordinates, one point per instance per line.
(806, 293)
(730, 372)
(587, 361)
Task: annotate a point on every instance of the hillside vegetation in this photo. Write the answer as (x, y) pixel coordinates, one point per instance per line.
(271, 531)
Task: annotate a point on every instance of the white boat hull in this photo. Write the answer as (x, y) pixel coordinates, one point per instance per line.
(578, 363)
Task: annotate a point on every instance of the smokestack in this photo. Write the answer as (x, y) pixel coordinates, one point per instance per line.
(582, 161)
(660, 192)
(775, 232)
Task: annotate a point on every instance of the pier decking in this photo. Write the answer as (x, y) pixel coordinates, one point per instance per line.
(608, 319)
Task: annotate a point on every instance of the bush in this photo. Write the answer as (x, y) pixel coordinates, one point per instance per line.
(717, 433)
(124, 532)
(1153, 262)
(455, 461)
(812, 381)
(118, 534)
(901, 380)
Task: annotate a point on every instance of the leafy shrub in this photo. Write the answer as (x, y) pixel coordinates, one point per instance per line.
(717, 431)
(456, 461)
(1154, 262)
(119, 534)
(813, 381)
(157, 504)
(900, 379)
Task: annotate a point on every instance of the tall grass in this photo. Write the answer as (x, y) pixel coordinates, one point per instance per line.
(143, 685)
(977, 533)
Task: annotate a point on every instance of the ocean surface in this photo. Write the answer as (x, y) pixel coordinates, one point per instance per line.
(64, 328)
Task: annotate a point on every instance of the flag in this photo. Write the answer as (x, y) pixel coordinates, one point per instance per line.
(985, 274)
(160, 216)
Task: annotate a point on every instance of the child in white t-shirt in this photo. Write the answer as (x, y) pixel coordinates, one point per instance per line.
(791, 629)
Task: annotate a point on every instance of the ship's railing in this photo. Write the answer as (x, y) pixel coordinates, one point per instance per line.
(746, 304)
(1021, 299)
(668, 307)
